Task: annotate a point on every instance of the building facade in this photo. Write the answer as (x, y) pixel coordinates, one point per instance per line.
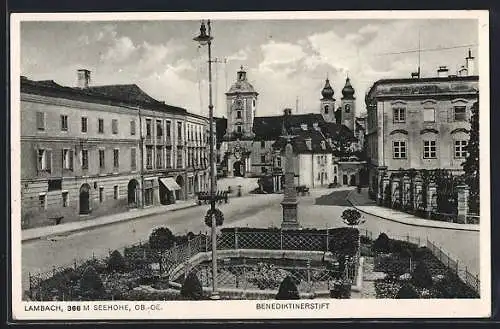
(82, 149)
(247, 146)
(419, 123)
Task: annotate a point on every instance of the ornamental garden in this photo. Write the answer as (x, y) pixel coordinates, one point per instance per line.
(257, 263)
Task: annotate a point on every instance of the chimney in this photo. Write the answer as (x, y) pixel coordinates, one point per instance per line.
(83, 78)
(442, 72)
(462, 71)
(469, 63)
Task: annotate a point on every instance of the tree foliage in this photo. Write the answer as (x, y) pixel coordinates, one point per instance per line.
(351, 217)
(191, 288)
(407, 292)
(287, 290)
(116, 263)
(161, 239)
(421, 276)
(471, 164)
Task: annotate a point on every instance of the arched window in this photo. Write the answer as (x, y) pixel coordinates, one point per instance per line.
(327, 108)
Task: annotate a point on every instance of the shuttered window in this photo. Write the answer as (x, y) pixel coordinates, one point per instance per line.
(40, 120)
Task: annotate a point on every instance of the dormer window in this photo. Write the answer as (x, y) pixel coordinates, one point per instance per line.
(303, 126)
(323, 145)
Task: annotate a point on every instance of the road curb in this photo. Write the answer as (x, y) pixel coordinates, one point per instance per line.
(91, 227)
(406, 223)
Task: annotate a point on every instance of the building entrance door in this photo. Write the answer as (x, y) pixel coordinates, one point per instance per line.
(237, 169)
(85, 199)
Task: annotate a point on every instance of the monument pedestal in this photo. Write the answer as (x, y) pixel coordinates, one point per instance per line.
(290, 221)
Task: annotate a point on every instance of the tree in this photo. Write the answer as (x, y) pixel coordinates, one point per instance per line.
(382, 244)
(287, 290)
(351, 217)
(191, 288)
(91, 284)
(421, 276)
(161, 239)
(116, 263)
(471, 164)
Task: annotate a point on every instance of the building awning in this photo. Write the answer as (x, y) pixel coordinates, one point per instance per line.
(170, 183)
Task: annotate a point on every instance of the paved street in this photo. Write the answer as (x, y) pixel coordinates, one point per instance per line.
(321, 209)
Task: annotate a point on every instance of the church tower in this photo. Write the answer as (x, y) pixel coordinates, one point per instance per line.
(348, 105)
(328, 102)
(241, 100)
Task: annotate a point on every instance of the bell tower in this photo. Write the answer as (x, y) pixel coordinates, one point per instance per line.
(241, 100)
(328, 102)
(348, 103)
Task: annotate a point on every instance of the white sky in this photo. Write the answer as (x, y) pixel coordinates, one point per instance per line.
(284, 59)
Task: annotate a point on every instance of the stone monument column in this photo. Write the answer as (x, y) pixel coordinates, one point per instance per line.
(462, 203)
(289, 203)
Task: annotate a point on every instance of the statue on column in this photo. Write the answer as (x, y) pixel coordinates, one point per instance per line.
(289, 203)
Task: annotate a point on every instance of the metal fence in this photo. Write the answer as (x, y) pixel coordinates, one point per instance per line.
(471, 280)
(262, 276)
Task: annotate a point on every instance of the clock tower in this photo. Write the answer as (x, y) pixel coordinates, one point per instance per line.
(241, 102)
(348, 105)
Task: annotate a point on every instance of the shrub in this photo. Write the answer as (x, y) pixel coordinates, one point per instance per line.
(91, 284)
(341, 291)
(287, 290)
(351, 217)
(382, 244)
(161, 239)
(116, 263)
(407, 292)
(421, 276)
(191, 288)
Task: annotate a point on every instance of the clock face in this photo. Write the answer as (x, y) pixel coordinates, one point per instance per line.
(238, 102)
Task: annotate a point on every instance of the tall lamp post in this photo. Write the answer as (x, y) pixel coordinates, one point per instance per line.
(206, 39)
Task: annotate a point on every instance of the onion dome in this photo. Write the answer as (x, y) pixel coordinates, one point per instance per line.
(348, 90)
(327, 91)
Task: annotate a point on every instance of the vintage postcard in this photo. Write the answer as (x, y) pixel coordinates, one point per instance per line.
(250, 165)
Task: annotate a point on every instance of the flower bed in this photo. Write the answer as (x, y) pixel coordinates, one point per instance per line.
(396, 264)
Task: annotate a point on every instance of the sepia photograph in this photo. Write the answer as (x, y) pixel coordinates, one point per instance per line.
(250, 165)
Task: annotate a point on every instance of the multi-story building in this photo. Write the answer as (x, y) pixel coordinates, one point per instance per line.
(82, 150)
(419, 123)
(247, 146)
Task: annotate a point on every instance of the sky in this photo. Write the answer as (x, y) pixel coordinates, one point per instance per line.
(287, 60)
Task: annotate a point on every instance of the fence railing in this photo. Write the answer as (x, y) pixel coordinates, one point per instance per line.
(471, 280)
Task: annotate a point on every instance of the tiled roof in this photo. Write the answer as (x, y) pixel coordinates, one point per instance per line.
(118, 95)
(318, 142)
(270, 128)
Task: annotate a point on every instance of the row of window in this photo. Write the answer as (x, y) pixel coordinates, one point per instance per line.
(42, 198)
(429, 114)
(399, 149)
(44, 158)
(194, 132)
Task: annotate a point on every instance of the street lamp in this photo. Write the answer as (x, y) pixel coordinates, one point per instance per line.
(206, 39)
